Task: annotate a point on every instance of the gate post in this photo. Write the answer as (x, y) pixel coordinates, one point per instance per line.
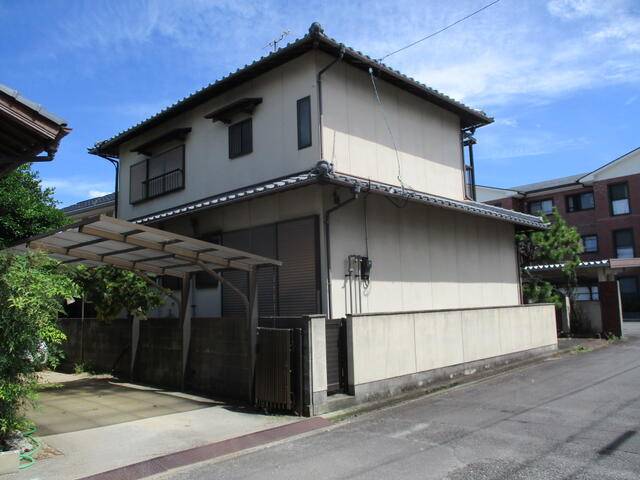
(610, 307)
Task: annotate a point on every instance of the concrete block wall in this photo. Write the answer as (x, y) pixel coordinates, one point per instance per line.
(391, 352)
(159, 356)
(106, 344)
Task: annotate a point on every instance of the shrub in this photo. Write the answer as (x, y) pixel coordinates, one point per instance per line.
(32, 290)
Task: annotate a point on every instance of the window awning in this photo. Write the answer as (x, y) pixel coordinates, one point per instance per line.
(226, 113)
(105, 240)
(175, 134)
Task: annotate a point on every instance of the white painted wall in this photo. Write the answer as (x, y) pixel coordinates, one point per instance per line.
(386, 346)
(423, 257)
(356, 139)
(208, 168)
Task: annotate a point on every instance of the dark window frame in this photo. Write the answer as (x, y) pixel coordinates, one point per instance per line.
(595, 235)
(576, 199)
(246, 146)
(615, 244)
(307, 122)
(629, 277)
(553, 204)
(146, 196)
(628, 198)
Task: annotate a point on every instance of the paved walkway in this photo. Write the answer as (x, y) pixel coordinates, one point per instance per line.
(576, 417)
(92, 425)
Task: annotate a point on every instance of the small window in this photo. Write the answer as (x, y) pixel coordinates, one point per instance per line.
(580, 201)
(619, 199)
(623, 243)
(304, 122)
(171, 283)
(541, 206)
(240, 139)
(586, 293)
(628, 286)
(590, 243)
(157, 175)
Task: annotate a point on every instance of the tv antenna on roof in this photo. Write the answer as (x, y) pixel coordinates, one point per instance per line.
(274, 43)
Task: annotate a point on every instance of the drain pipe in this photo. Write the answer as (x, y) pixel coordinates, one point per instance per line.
(319, 83)
(327, 241)
(116, 165)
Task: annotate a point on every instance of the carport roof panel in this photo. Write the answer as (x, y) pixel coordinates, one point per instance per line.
(105, 240)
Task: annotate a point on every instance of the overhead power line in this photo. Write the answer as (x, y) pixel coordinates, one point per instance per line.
(439, 31)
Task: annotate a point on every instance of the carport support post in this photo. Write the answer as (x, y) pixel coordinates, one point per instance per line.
(185, 322)
(252, 315)
(135, 339)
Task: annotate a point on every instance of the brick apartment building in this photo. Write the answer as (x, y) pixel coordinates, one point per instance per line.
(604, 205)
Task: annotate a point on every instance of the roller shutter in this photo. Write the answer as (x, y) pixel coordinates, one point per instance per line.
(298, 285)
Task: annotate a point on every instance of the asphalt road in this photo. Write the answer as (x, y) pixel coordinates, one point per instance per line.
(572, 418)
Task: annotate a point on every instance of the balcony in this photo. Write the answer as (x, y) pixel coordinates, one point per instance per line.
(159, 185)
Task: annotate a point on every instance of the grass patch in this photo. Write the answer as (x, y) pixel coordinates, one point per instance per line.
(580, 349)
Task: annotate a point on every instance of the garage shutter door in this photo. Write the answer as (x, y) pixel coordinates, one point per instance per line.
(293, 288)
(298, 286)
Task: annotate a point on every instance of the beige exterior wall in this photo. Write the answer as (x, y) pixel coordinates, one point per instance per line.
(355, 137)
(386, 346)
(423, 258)
(357, 142)
(208, 168)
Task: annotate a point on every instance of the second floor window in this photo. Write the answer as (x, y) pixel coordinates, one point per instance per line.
(590, 243)
(240, 138)
(157, 175)
(304, 122)
(619, 199)
(580, 201)
(539, 207)
(623, 243)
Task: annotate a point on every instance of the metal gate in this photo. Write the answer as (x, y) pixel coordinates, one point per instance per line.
(278, 373)
(336, 340)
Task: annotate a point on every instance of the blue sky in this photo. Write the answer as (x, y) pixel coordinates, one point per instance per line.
(561, 77)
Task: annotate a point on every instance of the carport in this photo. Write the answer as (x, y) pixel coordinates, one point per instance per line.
(145, 250)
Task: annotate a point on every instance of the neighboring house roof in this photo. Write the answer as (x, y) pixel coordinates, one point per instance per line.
(578, 179)
(591, 175)
(90, 204)
(26, 130)
(316, 38)
(548, 184)
(320, 176)
(558, 266)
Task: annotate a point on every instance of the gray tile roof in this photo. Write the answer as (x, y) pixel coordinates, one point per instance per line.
(316, 38)
(316, 176)
(558, 266)
(32, 105)
(89, 204)
(548, 184)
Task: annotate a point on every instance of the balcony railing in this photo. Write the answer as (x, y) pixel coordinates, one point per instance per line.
(161, 184)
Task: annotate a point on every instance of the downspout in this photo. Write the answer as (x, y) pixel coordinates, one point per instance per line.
(327, 241)
(116, 165)
(319, 83)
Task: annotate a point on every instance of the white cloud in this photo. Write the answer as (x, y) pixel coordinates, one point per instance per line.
(97, 193)
(77, 188)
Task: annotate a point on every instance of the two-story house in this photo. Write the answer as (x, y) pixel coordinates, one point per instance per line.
(348, 172)
(604, 206)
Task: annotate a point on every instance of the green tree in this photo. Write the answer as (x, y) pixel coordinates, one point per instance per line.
(558, 244)
(32, 290)
(113, 290)
(26, 208)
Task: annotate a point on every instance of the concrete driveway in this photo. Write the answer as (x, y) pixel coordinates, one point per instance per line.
(93, 425)
(576, 417)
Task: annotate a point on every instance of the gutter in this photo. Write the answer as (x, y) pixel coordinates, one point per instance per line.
(116, 165)
(327, 240)
(319, 83)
